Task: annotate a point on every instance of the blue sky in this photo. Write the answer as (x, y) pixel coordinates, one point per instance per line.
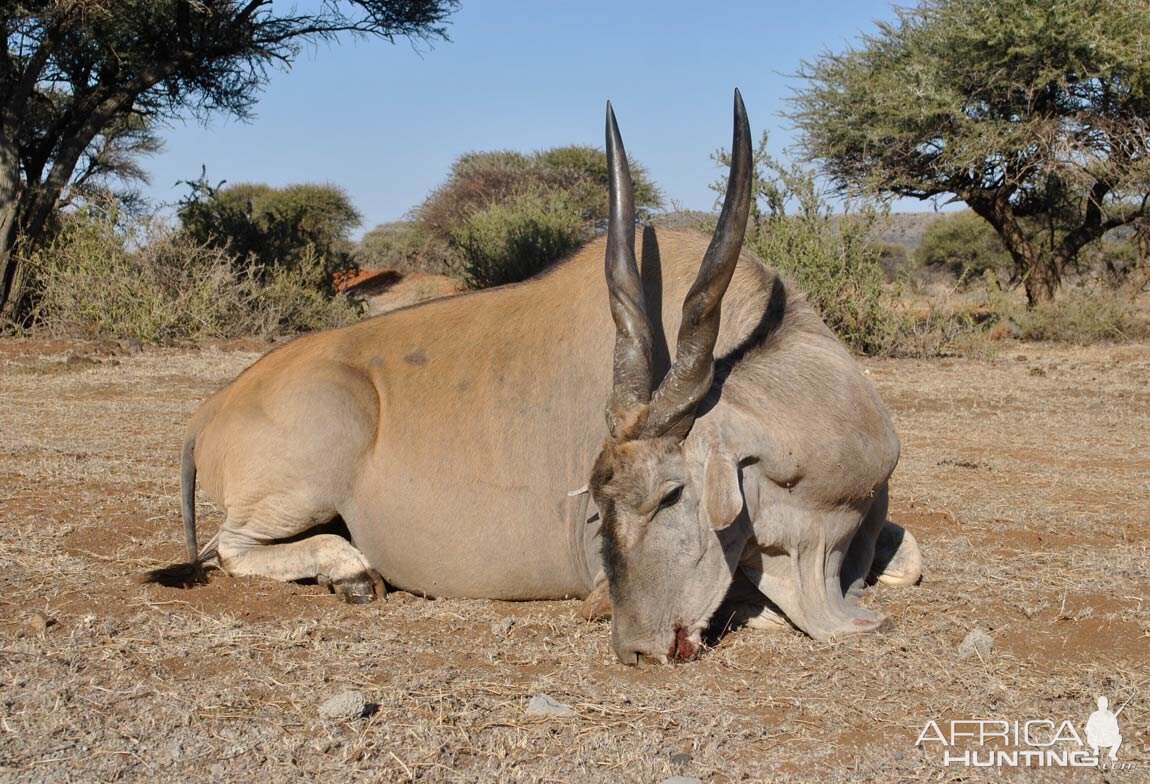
(386, 121)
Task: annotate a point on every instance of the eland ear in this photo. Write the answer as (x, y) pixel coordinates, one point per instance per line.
(722, 495)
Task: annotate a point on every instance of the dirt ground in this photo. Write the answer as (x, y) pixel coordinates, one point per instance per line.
(1025, 477)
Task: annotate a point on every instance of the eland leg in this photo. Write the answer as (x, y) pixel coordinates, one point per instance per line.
(250, 549)
(881, 552)
(801, 566)
(861, 555)
(281, 458)
(597, 605)
(897, 558)
(745, 605)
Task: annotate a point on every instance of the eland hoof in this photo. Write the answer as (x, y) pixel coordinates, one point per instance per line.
(897, 558)
(363, 588)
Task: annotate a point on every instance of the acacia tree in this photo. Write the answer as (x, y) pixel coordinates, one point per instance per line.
(1024, 109)
(111, 160)
(72, 70)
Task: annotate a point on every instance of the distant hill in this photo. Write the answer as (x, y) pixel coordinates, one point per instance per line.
(906, 228)
(684, 219)
(903, 228)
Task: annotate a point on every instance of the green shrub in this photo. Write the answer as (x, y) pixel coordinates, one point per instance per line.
(585, 169)
(295, 299)
(401, 245)
(893, 260)
(939, 329)
(1112, 261)
(474, 210)
(512, 241)
(270, 228)
(155, 284)
(838, 269)
(830, 256)
(964, 244)
(1084, 316)
(476, 181)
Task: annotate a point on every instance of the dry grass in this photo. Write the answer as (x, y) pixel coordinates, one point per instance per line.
(1025, 477)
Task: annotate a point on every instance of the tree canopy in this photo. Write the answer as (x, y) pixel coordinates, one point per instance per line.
(1020, 108)
(268, 227)
(71, 70)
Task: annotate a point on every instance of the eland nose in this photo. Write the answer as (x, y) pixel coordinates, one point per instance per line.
(631, 641)
(632, 656)
(628, 656)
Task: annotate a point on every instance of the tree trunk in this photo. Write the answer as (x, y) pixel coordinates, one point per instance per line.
(1141, 274)
(1041, 281)
(10, 276)
(1039, 275)
(25, 209)
(16, 237)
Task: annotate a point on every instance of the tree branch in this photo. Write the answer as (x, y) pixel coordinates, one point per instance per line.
(14, 104)
(1092, 226)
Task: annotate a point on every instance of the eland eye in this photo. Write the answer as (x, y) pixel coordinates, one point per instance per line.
(671, 498)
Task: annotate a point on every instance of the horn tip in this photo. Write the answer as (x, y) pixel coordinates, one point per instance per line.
(742, 124)
(613, 139)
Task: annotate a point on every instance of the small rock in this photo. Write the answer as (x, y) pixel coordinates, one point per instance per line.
(40, 622)
(680, 758)
(543, 705)
(171, 751)
(976, 643)
(346, 705)
(130, 346)
(324, 745)
(1005, 329)
(502, 628)
(682, 780)
(80, 361)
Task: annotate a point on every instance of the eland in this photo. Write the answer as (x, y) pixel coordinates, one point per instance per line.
(748, 466)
